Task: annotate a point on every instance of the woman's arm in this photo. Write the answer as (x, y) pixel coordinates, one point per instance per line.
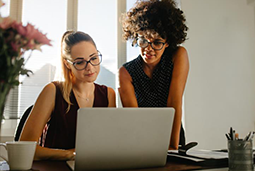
(111, 97)
(43, 153)
(126, 89)
(179, 78)
(36, 122)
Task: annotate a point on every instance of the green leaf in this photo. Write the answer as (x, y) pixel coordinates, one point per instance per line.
(25, 72)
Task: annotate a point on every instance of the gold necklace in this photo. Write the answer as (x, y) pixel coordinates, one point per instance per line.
(84, 98)
(87, 99)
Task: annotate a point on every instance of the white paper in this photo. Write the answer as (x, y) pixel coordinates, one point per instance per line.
(208, 154)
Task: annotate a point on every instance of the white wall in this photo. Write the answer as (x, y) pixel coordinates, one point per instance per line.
(220, 91)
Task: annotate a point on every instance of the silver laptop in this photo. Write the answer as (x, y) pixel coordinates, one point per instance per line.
(122, 138)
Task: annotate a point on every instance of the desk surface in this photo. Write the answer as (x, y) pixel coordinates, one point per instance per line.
(170, 166)
(61, 165)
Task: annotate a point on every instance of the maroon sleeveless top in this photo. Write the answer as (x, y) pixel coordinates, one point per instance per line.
(60, 131)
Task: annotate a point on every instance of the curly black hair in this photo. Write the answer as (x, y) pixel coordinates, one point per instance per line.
(155, 16)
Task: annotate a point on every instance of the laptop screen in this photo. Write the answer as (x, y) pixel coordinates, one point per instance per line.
(122, 138)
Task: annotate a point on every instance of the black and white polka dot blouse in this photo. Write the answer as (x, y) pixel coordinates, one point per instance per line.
(151, 92)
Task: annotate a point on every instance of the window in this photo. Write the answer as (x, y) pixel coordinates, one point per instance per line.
(132, 51)
(5, 9)
(43, 64)
(100, 22)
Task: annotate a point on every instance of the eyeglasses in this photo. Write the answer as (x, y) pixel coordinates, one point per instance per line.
(156, 45)
(80, 63)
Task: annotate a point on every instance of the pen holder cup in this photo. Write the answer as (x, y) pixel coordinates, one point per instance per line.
(240, 155)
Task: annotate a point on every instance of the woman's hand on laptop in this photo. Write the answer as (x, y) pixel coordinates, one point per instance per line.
(65, 154)
(44, 153)
(72, 154)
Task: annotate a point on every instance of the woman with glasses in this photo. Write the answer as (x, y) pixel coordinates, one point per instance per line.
(53, 117)
(157, 77)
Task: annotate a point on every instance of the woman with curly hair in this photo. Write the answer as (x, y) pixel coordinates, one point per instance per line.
(157, 77)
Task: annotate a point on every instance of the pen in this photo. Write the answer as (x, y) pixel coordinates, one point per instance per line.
(227, 136)
(247, 136)
(234, 134)
(230, 132)
(250, 136)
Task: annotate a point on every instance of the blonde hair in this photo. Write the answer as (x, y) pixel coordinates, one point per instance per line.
(69, 39)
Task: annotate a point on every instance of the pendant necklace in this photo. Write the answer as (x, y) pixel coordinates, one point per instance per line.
(87, 99)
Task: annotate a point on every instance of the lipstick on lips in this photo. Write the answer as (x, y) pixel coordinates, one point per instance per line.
(148, 55)
(89, 75)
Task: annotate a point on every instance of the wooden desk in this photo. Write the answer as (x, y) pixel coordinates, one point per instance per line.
(62, 166)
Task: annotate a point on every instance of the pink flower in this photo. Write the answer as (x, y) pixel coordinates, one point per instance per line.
(20, 28)
(16, 40)
(7, 23)
(15, 47)
(30, 31)
(30, 45)
(37, 35)
(42, 39)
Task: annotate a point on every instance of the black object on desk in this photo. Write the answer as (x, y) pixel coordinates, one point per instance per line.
(194, 160)
(183, 149)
